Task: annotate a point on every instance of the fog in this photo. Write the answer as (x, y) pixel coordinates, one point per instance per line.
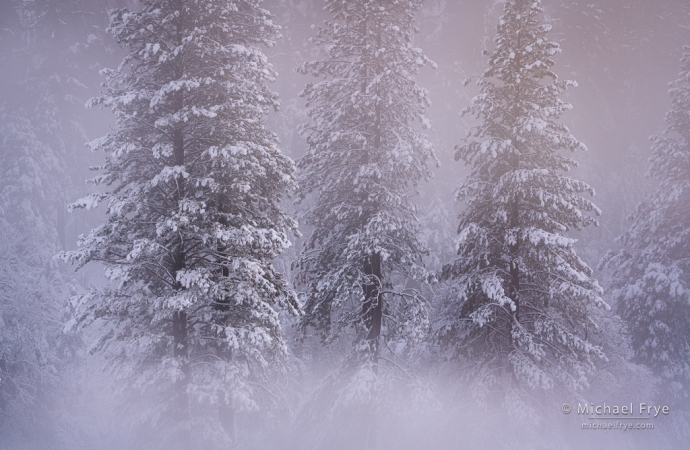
(77, 372)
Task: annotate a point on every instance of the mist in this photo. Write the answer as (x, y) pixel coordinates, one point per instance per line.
(278, 232)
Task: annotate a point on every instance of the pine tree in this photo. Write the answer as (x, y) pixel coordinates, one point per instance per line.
(50, 62)
(362, 263)
(437, 229)
(520, 301)
(651, 273)
(45, 51)
(194, 184)
(364, 158)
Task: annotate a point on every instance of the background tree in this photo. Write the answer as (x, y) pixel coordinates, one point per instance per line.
(364, 157)
(519, 305)
(193, 217)
(47, 50)
(650, 277)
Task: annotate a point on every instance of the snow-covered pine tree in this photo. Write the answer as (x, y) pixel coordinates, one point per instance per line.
(51, 65)
(31, 286)
(31, 290)
(437, 230)
(44, 54)
(364, 158)
(651, 273)
(520, 296)
(195, 182)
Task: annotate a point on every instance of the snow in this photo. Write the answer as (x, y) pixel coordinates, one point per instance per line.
(518, 205)
(164, 212)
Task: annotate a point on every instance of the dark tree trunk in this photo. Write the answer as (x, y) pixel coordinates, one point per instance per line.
(514, 289)
(373, 301)
(180, 334)
(514, 249)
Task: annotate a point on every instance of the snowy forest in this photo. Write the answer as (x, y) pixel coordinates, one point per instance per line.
(344, 224)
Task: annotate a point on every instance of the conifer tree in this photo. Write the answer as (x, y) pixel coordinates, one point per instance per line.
(364, 159)
(193, 184)
(520, 301)
(651, 273)
(45, 50)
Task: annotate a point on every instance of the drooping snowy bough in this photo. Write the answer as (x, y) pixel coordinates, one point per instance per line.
(193, 211)
(520, 298)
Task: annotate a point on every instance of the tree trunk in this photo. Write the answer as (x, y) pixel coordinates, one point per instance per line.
(514, 249)
(514, 289)
(373, 301)
(373, 304)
